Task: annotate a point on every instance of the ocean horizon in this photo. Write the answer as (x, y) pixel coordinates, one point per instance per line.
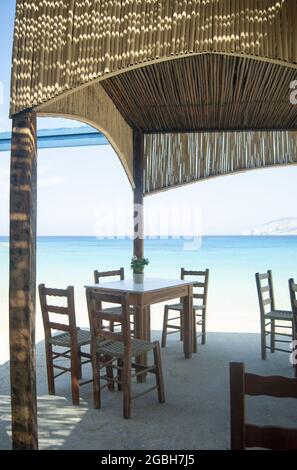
(233, 261)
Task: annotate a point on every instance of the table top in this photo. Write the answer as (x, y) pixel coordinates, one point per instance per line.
(148, 285)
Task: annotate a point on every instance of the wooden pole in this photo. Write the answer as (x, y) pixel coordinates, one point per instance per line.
(22, 287)
(138, 164)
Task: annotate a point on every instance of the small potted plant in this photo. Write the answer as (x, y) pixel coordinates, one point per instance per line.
(138, 264)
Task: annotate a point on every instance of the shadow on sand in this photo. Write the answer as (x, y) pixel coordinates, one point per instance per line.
(195, 415)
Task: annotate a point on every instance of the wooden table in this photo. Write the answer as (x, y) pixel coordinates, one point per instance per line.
(153, 291)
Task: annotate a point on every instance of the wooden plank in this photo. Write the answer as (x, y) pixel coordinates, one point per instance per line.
(164, 294)
(273, 386)
(57, 309)
(265, 289)
(194, 273)
(55, 292)
(117, 272)
(22, 289)
(263, 276)
(271, 437)
(237, 406)
(58, 326)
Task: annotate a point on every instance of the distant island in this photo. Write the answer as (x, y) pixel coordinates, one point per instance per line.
(286, 226)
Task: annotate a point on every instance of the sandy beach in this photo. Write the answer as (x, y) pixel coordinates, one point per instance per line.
(195, 415)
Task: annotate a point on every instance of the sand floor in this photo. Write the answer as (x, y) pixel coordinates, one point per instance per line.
(195, 415)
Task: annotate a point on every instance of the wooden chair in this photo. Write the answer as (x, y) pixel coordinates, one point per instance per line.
(116, 350)
(245, 435)
(293, 297)
(270, 317)
(72, 338)
(200, 290)
(118, 273)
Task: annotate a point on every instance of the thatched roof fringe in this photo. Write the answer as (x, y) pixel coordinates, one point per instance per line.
(64, 44)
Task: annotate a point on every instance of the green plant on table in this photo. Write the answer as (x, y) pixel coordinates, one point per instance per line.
(138, 264)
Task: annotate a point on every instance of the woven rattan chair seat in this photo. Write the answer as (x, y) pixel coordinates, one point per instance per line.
(179, 307)
(280, 315)
(63, 339)
(116, 348)
(116, 310)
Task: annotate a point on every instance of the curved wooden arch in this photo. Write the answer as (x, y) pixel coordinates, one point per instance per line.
(96, 109)
(126, 166)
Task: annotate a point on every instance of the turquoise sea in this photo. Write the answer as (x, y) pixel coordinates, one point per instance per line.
(232, 260)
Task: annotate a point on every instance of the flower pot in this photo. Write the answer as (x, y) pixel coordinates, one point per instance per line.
(138, 278)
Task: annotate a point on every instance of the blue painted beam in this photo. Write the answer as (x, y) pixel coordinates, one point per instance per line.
(59, 138)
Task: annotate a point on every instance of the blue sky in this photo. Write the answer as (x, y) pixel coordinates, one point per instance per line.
(75, 185)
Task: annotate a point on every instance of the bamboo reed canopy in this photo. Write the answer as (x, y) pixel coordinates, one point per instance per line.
(175, 70)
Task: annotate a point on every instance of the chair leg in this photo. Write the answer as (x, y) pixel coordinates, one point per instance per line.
(159, 374)
(109, 374)
(294, 350)
(263, 339)
(96, 381)
(50, 369)
(194, 332)
(132, 323)
(148, 323)
(203, 340)
(127, 388)
(74, 377)
(164, 332)
(120, 374)
(79, 364)
(181, 326)
(272, 336)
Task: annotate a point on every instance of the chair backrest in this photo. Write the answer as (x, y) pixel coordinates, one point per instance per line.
(97, 315)
(200, 287)
(115, 273)
(293, 297)
(50, 310)
(245, 435)
(120, 273)
(265, 292)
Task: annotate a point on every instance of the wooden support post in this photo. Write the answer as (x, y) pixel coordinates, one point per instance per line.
(22, 287)
(138, 244)
(138, 164)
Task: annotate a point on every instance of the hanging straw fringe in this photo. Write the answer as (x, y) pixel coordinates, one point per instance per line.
(177, 159)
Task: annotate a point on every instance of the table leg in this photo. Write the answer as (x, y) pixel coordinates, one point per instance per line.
(188, 324)
(148, 323)
(142, 331)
